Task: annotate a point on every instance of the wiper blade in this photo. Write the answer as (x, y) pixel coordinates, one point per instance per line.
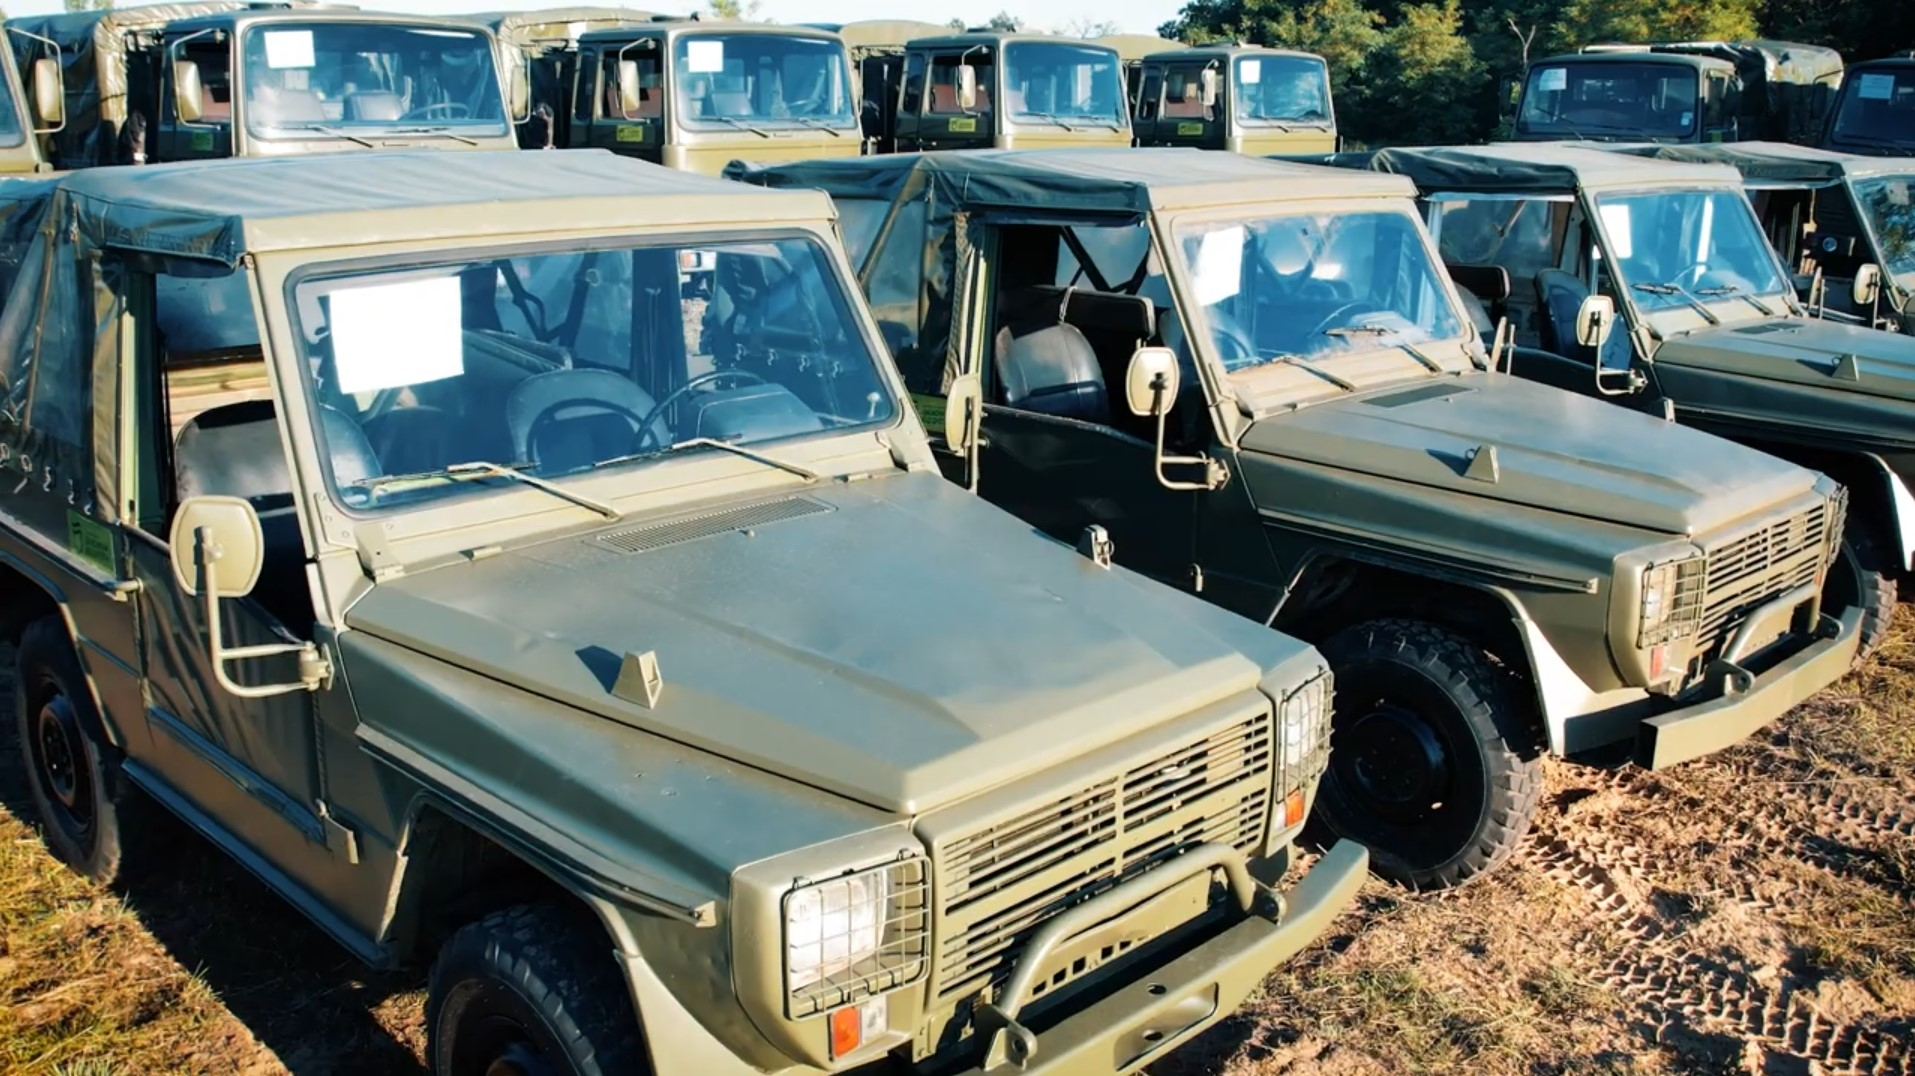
(752, 454)
(1384, 330)
(462, 472)
(1677, 289)
(740, 124)
(1306, 364)
(1729, 290)
(1050, 118)
(324, 129)
(437, 132)
(816, 124)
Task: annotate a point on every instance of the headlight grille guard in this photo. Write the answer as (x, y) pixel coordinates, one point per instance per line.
(902, 954)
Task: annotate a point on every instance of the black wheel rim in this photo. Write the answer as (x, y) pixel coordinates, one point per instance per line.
(490, 1042)
(61, 766)
(1395, 763)
(1400, 781)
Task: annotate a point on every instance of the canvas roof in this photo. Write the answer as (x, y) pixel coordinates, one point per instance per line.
(1777, 162)
(1534, 167)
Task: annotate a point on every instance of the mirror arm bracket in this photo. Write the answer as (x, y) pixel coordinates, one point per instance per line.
(315, 670)
(1216, 472)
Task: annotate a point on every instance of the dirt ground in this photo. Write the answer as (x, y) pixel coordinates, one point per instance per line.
(1750, 913)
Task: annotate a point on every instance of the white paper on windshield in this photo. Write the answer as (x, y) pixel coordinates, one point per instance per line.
(1250, 72)
(289, 48)
(1876, 88)
(1553, 78)
(1615, 221)
(388, 335)
(704, 57)
(1219, 267)
(1688, 118)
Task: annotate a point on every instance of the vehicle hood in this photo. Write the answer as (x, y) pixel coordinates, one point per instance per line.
(1802, 351)
(896, 641)
(1553, 449)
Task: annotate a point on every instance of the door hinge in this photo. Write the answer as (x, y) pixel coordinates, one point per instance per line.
(1196, 579)
(340, 841)
(1095, 543)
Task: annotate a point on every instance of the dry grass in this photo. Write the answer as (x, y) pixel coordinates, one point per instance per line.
(1750, 913)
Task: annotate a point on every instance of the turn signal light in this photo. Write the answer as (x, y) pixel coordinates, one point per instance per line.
(1293, 809)
(847, 1031)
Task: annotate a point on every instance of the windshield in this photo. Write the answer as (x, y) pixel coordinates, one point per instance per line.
(1675, 248)
(1878, 108)
(1649, 99)
(1316, 286)
(302, 79)
(1888, 202)
(733, 79)
(11, 133)
(1045, 81)
(559, 364)
(1281, 89)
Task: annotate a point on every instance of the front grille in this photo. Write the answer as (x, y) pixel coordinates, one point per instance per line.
(1757, 566)
(996, 886)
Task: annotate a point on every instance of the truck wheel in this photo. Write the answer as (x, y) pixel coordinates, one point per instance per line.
(73, 778)
(1433, 766)
(530, 991)
(1874, 581)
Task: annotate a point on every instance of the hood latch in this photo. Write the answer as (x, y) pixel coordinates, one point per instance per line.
(1095, 544)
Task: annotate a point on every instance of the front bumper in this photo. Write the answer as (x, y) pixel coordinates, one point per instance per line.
(1142, 1020)
(1743, 702)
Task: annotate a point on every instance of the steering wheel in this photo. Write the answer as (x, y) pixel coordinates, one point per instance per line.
(645, 428)
(425, 112)
(549, 414)
(1234, 345)
(1342, 315)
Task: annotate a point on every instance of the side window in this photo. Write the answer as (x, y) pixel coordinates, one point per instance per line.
(912, 100)
(215, 80)
(585, 88)
(44, 368)
(1147, 101)
(651, 89)
(944, 78)
(893, 281)
(206, 342)
(1518, 236)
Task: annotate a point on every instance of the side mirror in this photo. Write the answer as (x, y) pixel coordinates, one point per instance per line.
(628, 88)
(1150, 385)
(1867, 286)
(521, 93)
(49, 94)
(967, 87)
(186, 91)
(217, 550)
(1208, 80)
(1594, 319)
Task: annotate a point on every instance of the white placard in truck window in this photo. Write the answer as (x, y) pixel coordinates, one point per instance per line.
(1615, 221)
(704, 57)
(1220, 264)
(1876, 88)
(1250, 72)
(1553, 79)
(388, 335)
(289, 48)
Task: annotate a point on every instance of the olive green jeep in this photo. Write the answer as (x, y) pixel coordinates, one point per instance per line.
(1257, 379)
(403, 528)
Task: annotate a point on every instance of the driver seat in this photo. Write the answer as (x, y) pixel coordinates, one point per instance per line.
(560, 419)
(1052, 371)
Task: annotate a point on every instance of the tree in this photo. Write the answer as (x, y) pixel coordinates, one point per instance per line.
(88, 5)
(720, 9)
(1089, 28)
(1005, 22)
(958, 25)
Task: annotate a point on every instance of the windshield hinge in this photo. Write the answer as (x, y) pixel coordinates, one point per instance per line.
(375, 555)
(1096, 546)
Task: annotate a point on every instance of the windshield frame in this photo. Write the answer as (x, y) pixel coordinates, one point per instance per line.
(1569, 65)
(291, 359)
(1680, 317)
(1850, 92)
(1118, 119)
(1327, 120)
(678, 73)
(14, 107)
(1903, 282)
(343, 130)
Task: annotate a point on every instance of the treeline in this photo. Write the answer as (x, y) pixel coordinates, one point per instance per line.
(1416, 73)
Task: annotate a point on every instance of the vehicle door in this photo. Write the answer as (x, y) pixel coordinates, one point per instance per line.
(944, 121)
(633, 128)
(209, 134)
(1057, 445)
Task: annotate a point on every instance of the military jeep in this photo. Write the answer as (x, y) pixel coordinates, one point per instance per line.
(1708, 327)
(1257, 380)
(633, 660)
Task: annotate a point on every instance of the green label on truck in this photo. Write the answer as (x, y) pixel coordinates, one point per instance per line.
(965, 124)
(203, 142)
(1190, 127)
(90, 540)
(631, 132)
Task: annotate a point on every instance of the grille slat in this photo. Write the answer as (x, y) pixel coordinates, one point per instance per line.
(1756, 567)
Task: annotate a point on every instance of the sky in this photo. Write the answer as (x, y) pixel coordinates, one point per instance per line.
(1131, 16)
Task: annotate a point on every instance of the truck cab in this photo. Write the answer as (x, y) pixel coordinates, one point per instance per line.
(1131, 50)
(29, 111)
(1239, 98)
(983, 89)
(1258, 382)
(1874, 113)
(1629, 96)
(877, 55)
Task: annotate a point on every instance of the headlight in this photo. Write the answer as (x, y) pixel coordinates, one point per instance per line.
(1303, 739)
(1671, 601)
(854, 936)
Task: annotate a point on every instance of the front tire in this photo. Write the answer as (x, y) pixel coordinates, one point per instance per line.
(73, 777)
(1872, 569)
(530, 991)
(1433, 765)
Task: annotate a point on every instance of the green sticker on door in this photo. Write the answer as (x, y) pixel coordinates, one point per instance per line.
(963, 125)
(202, 141)
(631, 132)
(90, 540)
(1190, 127)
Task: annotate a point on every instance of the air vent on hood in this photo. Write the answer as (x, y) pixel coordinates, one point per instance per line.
(691, 528)
(1427, 392)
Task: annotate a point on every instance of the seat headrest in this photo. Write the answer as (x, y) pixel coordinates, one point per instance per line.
(1098, 311)
(376, 105)
(235, 450)
(1490, 283)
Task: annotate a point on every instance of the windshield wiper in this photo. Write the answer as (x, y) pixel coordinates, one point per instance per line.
(1306, 364)
(754, 455)
(440, 132)
(326, 130)
(816, 124)
(1050, 118)
(738, 123)
(462, 472)
(1730, 290)
(1384, 330)
(1676, 289)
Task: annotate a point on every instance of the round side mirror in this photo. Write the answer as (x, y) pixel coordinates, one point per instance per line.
(1150, 384)
(1868, 285)
(1594, 319)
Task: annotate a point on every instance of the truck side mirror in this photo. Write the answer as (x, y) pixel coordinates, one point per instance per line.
(186, 91)
(1512, 90)
(1150, 385)
(1594, 319)
(1867, 286)
(520, 90)
(628, 88)
(49, 95)
(967, 87)
(1208, 82)
(217, 551)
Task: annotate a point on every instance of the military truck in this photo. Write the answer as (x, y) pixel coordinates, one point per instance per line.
(222, 78)
(1710, 332)
(1131, 50)
(1874, 113)
(1240, 98)
(1307, 433)
(877, 55)
(27, 112)
(535, 47)
(982, 88)
(1693, 91)
(1843, 224)
(636, 663)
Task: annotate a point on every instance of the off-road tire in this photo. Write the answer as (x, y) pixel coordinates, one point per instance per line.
(1415, 675)
(1875, 575)
(536, 977)
(72, 775)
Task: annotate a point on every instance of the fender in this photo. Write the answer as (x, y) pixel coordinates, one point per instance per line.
(1901, 506)
(108, 729)
(1575, 716)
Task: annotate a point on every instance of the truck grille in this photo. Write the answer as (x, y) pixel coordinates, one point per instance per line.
(996, 886)
(1757, 566)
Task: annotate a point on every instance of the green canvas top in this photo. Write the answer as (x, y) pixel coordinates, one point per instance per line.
(1776, 163)
(1533, 168)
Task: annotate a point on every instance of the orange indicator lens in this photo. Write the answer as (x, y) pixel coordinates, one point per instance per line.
(847, 1031)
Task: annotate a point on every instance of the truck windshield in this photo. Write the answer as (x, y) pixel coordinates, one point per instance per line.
(1062, 84)
(564, 363)
(1878, 109)
(332, 77)
(1316, 286)
(1281, 89)
(1888, 203)
(1676, 249)
(11, 133)
(1653, 100)
(731, 80)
